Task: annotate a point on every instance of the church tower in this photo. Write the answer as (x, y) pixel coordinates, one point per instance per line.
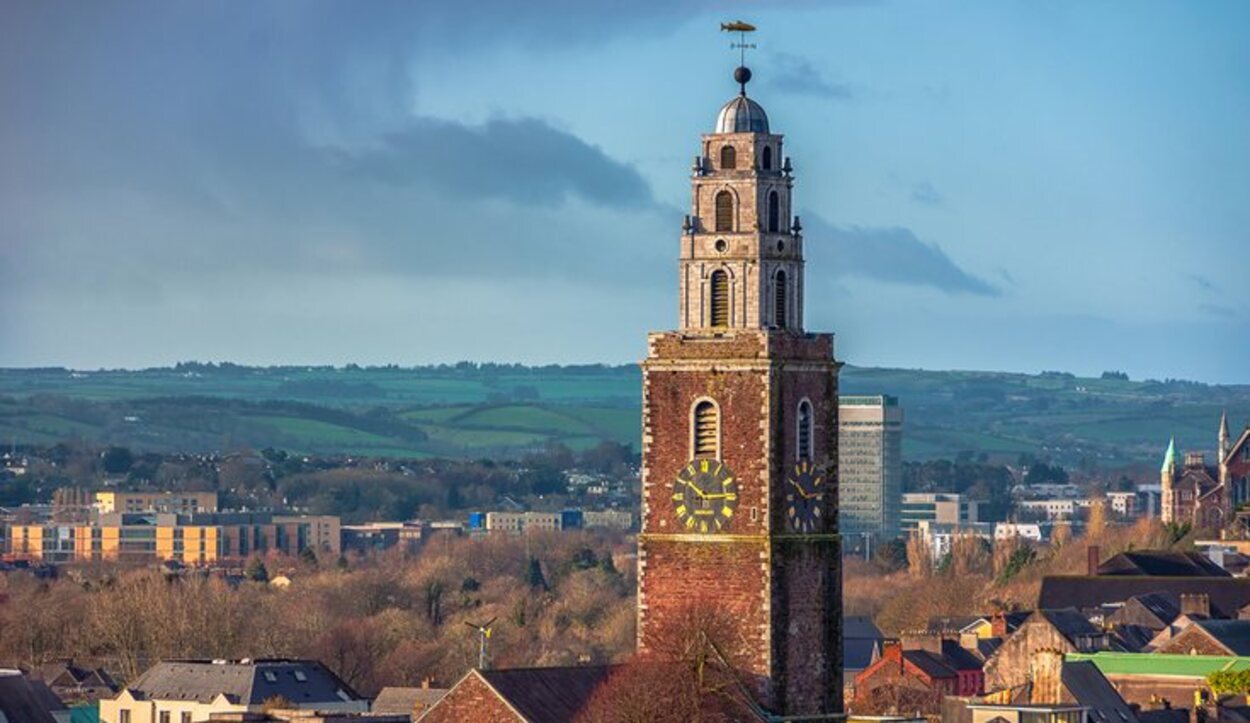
(739, 490)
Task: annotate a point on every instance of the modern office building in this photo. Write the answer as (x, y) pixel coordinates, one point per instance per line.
(870, 465)
(190, 539)
(178, 503)
(941, 507)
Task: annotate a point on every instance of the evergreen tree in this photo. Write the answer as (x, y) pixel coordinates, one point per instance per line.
(256, 571)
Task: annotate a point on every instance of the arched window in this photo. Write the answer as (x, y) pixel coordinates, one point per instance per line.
(779, 300)
(805, 431)
(706, 437)
(774, 212)
(728, 158)
(724, 211)
(766, 158)
(720, 298)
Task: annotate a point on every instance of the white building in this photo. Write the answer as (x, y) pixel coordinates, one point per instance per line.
(1024, 530)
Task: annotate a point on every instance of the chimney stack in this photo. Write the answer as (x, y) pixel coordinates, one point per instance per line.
(998, 625)
(1092, 559)
(1196, 604)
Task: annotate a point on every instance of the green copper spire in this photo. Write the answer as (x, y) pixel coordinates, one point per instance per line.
(1169, 457)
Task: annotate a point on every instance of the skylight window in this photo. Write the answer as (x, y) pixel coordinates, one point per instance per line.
(299, 675)
(269, 676)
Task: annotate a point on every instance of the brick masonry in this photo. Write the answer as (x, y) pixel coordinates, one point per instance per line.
(471, 701)
(783, 590)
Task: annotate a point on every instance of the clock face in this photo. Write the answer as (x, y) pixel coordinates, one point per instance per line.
(805, 497)
(705, 496)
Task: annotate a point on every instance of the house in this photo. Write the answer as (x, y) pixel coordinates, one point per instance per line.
(1055, 689)
(77, 684)
(520, 695)
(182, 691)
(922, 669)
(1065, 631)
(28, 701)
(1160, 678)
(411, 702)
(1210, 637)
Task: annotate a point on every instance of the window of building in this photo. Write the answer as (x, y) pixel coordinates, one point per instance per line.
(164, 717)
(728, 158)
(719, 298)
(269, 676)
(123, 716)
(706, 430)
(774, 213)
(186, 718)
(779, 300)
(299, 675)
(724, 211)
(805, 430)
(766, 158)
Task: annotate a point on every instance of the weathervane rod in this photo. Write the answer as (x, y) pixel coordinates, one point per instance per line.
(741, 29)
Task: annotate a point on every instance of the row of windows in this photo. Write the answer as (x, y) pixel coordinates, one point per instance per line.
(729, 158)
(725, 212)
(706, 432)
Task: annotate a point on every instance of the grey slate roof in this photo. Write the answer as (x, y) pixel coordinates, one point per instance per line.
(1086, 683)
(249, 683)
(1164, 563)
(402, 701)
(19, 701)
(1232, 634)
(860, 639)
(935, 666)
(547, 695)
(1070, 623)
(1227, 594)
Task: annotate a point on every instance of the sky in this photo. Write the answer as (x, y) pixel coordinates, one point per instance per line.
(996, 185)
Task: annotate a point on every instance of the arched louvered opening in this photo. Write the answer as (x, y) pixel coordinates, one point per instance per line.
(728, 158)
(719, 315)
(724, 211)
(766, 158)
(774, 212)
(779, 300)
(805, 430)
(706, 430)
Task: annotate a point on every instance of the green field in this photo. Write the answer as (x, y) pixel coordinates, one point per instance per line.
(475, 411)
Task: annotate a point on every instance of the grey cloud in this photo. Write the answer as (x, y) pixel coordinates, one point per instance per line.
(523, 160)
(892, 254)
(1203, 283)
(795, 74)
(924, 192)
(1226, 312)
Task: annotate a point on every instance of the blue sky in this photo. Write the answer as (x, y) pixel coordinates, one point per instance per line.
(985, 185)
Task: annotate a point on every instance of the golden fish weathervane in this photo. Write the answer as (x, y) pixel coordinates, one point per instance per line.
(737, 26)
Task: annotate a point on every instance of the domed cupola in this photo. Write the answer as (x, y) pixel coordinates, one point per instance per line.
(742, 115)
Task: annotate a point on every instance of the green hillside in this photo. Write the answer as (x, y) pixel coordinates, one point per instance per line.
(493, 410)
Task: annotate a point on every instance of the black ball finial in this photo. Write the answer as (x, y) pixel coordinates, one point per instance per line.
(742, 75)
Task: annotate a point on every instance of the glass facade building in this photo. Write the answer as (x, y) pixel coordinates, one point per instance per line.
(870, 465)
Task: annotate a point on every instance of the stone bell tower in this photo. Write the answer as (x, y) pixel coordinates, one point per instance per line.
(739, 489)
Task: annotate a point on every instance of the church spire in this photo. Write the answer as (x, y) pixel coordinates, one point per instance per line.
(1169, 457)
(1225, 440)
